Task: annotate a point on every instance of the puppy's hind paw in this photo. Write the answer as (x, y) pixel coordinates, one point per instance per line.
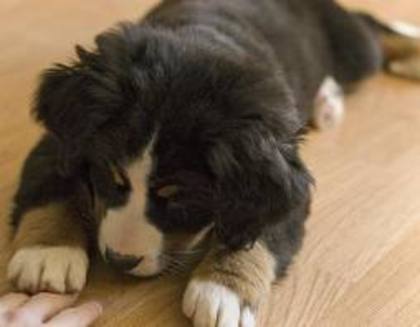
(408, 68)
(60, 269)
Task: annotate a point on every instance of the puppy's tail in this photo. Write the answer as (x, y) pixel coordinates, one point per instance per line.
(400, 44)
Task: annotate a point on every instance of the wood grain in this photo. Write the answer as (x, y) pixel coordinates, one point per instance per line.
(360, 265)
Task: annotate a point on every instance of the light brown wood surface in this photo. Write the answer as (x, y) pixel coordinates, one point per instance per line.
(360, 265)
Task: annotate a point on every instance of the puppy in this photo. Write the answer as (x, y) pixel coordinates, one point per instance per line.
(181, 133)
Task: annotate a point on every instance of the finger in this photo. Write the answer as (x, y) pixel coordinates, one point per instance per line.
(43, 306)
(81, 316)
(11, 301)
(8, 304)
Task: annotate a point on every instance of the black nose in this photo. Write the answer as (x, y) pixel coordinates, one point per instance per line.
(121, 262)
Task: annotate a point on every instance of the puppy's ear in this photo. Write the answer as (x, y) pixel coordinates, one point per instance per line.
(260, 177)
(60, 104)
(72, 102)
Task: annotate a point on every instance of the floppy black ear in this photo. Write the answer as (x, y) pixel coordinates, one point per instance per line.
(57, 106)
(61, 104)
(260, 180)
(72, 102)
(259, 175)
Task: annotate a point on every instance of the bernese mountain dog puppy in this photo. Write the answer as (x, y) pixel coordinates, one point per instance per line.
(179, 135)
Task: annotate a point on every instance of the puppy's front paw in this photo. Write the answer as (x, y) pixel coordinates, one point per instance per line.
(59, 269)
(209, 304)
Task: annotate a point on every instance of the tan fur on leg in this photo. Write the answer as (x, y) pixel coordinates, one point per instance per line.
(50, 252)
(398, 47)
(402, 55)
(406, 68)
(53, 224)
(248, 273)
(227, 288)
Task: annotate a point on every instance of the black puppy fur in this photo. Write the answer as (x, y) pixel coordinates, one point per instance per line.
(225, 87)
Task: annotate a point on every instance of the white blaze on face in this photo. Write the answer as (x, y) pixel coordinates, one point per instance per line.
(127, 231)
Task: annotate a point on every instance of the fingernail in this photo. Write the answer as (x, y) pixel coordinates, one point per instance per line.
(98, 306)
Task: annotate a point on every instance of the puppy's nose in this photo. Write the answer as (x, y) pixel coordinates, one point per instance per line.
(121, 262)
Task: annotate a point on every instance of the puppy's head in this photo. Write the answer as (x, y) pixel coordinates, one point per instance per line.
(175, 139)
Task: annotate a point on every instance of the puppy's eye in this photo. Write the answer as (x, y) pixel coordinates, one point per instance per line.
(167, 191)
(120, 179)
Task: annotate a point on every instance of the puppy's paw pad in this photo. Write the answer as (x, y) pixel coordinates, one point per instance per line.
(59, 269)
(211, 304)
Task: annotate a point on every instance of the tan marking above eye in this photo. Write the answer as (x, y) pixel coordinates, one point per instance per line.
(167, 191)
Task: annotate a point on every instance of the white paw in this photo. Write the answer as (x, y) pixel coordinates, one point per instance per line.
(59, 269)
(209, 304)
(329, 105)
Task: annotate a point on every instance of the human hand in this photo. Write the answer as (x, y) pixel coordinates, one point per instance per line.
(46, 310)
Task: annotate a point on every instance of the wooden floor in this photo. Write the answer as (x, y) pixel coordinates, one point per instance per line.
(360, 265)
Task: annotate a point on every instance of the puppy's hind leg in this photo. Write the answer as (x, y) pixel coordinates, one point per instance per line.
(402, 55)
(407, 65)
(400, 43)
